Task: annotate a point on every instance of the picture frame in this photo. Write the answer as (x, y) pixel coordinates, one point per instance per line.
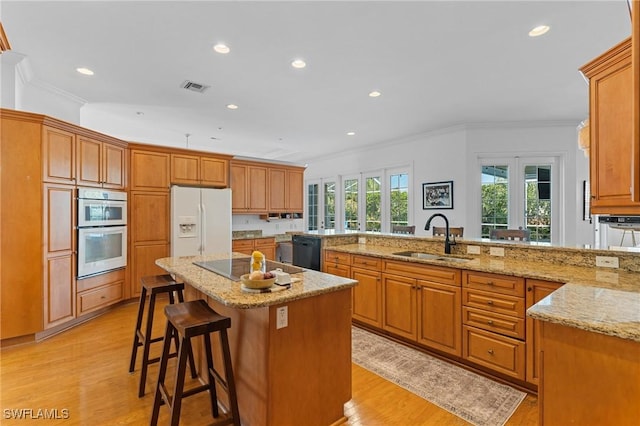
(437, 195)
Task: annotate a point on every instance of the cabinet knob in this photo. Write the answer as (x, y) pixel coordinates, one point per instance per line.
(489, 282)
(489, 302)
(490, 351)
(490, 322)
(529, 288)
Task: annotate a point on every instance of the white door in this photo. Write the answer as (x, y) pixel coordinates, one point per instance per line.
(216, 221)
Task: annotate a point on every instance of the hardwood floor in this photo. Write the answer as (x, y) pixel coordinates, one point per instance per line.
(85, 372)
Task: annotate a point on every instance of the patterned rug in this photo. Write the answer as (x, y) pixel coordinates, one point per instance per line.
(472, 397)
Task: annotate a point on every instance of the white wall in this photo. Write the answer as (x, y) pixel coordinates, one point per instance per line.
(451, 154)
(247, 222)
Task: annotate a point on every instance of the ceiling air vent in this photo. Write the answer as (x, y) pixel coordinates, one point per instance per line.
(193, 86)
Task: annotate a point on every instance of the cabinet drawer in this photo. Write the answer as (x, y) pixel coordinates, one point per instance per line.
(239, 245)
(264, 242)
(504, 284)
(337, 269)
(498, 323)
(502, 354)
(366, 262)
(423, 272)
(500, 303)
(99, 280)
(337, 257)
(100, 297)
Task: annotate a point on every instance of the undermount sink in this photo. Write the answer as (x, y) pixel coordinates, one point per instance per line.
(429, 256)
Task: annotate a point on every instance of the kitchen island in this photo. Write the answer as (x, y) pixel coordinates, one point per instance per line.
(292, 366)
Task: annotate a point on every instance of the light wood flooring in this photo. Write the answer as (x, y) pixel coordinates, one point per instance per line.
(85, 371)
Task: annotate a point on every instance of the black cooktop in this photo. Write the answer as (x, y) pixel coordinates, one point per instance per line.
(234, 268)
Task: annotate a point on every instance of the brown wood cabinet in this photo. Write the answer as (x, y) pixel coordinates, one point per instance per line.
(58, 155)
(635, 65)
(536, 291)
(149, 170)
(286, 190)
(98, 292)
(613, 166)
(266, 245)
(587, 378)
(59, 255)
(337, 263)
(100, 164)
(494, 322)
(367, 295)
(200, 170)
(439, 320)
(249, 188)
(21, 248)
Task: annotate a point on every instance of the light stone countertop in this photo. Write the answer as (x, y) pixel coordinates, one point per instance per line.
(601, 300)
(228, 292)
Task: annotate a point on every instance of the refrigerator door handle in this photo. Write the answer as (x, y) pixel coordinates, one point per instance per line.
(204, 228)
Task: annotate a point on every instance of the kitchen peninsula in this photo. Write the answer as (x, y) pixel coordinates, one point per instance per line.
(289, 368)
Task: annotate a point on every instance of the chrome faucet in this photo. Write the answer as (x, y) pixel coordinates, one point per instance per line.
(447, 242)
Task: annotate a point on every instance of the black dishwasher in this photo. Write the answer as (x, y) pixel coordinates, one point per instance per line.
(306, 251)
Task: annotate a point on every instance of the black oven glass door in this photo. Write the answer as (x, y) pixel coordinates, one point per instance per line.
(101, 249)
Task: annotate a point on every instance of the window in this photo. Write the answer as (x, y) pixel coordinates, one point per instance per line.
(373, 194)
(519, 192)
(329, 190)
(350, 191)
(312, 206)
(399, 199)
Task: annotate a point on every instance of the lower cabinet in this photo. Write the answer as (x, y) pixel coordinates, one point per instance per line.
(246, 246)
(439, 321)
(144, 263)
(399, 305)
(367, 295)
(97, 292)
(59, 290)
(492, 350)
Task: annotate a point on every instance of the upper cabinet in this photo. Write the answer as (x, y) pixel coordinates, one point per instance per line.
(614, 161)
(58, 155)
(249, 188)
(100, 164)
(211, 171)
(635, 59)
(149, 170)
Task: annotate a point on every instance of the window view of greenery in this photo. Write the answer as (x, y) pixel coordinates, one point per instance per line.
(538, 202)
(312, 214)
(330, 205)
(374, 197)
(351, 204)
(399, 191)
(495, 198)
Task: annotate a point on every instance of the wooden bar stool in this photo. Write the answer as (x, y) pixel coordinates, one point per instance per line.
(153, 285)
(187, 320)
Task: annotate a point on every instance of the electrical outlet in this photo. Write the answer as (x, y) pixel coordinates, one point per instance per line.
(473, 249)
(496, 251)
(282, 314)
(607, 261)
(362, 240)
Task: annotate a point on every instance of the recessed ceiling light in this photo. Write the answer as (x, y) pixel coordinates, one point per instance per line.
(298, 63)
(232, 106)
(351, 133)
(139, 113)
(374, 94)
(221, 48)
(539, 30)
(85, 71)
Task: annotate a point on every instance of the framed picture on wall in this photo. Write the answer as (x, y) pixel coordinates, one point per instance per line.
(437, 195)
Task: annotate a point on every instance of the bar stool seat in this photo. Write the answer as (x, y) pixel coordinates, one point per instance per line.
(153, 285)
(188, 320)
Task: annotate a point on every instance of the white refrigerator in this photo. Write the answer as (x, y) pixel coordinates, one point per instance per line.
(200, 221)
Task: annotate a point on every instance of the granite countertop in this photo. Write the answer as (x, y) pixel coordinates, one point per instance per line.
(228, 292)
(601, 300)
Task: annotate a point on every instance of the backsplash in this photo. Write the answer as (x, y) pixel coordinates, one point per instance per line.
(247, 222)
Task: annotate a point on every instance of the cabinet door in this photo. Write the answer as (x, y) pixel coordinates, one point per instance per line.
(367, 296)
(149, 171)
(113, 166)
(536, 291)
(143, 259)
(439, 317)
(399, 305)
(185, 169)
(58, 155)
(257, 189)
(59, 257)
(277, 194)
(239, 182)
(295, 191)
(267, 246)
(150, 215)
(242, 246)
(89, 155)
(214, 172)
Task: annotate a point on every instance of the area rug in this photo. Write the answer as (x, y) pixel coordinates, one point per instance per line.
(472, 397)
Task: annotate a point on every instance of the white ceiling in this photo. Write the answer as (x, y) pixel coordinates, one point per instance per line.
(437, 64)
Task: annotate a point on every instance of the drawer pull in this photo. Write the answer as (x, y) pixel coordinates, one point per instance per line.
(490, 322)
(489, 302)
(490, 351)
(103, 297)
(489, 282)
